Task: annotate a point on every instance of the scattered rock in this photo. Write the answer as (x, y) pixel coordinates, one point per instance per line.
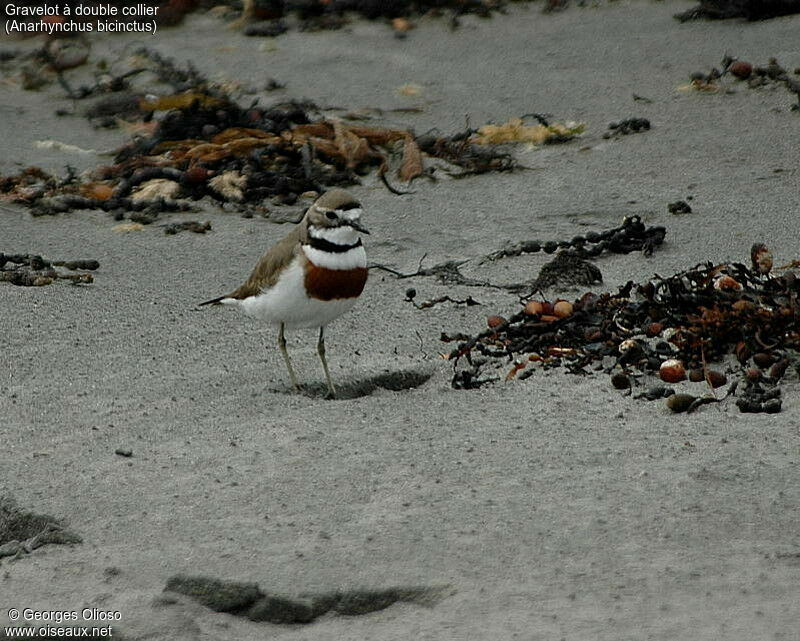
(625, 127)
(566, 270)
(757, 398)
(66, 53)
(22, 531)
(31, 270)
(741, 69)
(656, 392)
(679, 207)
(189, 225)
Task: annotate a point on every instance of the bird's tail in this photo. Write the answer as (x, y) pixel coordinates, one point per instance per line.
(213, 301)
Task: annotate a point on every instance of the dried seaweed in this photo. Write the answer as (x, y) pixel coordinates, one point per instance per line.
(747, 9)
(754, 76)
(411, 295)
(270, 18)
(447, 273)
(472, 159)
(198, 142)
(516, 131)
(704, 314)
(201, 143)
(567, 268)
(632, 235)
(313, 15)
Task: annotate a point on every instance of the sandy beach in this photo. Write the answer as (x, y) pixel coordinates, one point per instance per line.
(554, 507)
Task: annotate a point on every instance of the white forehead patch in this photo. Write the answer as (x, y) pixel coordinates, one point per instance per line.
(350, 214)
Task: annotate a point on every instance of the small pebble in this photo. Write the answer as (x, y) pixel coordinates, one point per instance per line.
(680, 402)
(621, 381)
(741, 69)
(679, 207)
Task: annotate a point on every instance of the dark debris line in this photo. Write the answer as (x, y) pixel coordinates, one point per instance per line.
(698, 316)
(198, 142)
(755, 76)
(271, 17)
(249, 601)
(22, 531)
(632, 235)
(747, 9)
(567, 268)
(31, 270)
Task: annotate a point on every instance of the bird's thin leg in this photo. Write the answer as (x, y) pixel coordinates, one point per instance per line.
(321, 352)
(282, 345)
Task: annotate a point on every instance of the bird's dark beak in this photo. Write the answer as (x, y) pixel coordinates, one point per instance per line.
(358, 226)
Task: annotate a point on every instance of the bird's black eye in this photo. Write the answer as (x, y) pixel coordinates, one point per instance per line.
(331, 215)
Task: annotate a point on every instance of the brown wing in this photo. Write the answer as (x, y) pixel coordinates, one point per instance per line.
(267, 271)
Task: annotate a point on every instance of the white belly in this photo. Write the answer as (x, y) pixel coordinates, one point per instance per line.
(286, 302)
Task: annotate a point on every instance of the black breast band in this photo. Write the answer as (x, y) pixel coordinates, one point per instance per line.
(328, 246)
